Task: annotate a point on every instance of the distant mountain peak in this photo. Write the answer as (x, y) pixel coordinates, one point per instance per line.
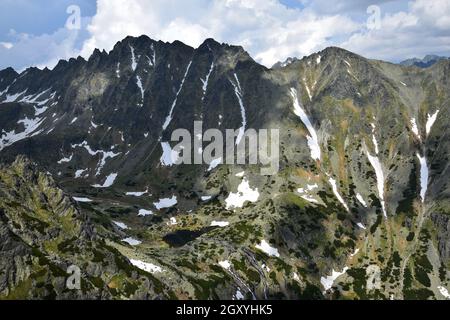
(426, 62)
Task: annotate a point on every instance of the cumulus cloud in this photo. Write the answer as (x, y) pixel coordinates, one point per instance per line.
(6, 45)
(422, 29)
(41, 51)
(269, 30)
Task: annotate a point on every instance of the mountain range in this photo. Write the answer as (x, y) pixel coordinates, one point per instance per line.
(426, 62)
(359, 208)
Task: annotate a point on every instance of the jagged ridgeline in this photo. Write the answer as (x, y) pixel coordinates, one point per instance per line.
(359, 208)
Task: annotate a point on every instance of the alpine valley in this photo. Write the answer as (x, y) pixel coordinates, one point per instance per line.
(359, 209)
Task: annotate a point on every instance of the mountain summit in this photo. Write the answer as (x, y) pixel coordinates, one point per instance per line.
(358, 210)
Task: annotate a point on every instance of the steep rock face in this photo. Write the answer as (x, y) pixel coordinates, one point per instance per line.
(43, 234)
(349, 196)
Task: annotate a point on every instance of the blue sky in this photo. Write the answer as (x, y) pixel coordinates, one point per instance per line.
(33, 33)
(38, 16)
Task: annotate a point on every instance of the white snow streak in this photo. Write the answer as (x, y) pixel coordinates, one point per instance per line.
(82, 199)
(144, 213)
(169, 117)
(307, 89)
(148, 267)
(11, 137)
(214, 163)
(65, 159)
(336, 193)
(133, 59)
(220, 224)
(120, 225)
(376, 164)
(79, 173)
(108, 182)
(105, 155)
(206, 80)
(132, 241)
(239, 96)
(136, 194)
(415, 128)
(361, 200)
(423, 177)
(139, 84)
(431, 120)
(360, 225)
(313, 141)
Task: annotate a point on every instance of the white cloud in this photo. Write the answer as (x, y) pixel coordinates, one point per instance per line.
(6, 45)
(421, 29)
(41, 51)
(269, 30)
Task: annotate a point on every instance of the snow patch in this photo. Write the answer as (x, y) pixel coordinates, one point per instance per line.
(108, 182)
(206, 80)
(13, 97)
(11, 137)
(431, 119)
(327, 282)
(169, 157)
(361, 226)
(132, 241)
(267, 249)
(243, 194)
(105, 155)
(444, 292)
(336, 193)
(415, 128)
(169, 117)
(214, 163)
(313, 141)
(361, 200)
(136, 193)
(148, 267)
(144, 213)
(139, 84)
(239, 96)
(239, 295)
(133, 59)
(423, 177)
(165, 203)
(240, 174)
(121, 225)
(79, 173)
(65, 159)
(307, 89)
(220, 224)
(82, 199)
(376, 164)
(225, 264)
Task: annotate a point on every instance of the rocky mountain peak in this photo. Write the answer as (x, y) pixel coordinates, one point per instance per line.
(359, 192)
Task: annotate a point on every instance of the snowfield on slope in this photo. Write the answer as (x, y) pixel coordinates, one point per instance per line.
(265, 247)
(312, 138)
(148, 267)
(243, 194)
